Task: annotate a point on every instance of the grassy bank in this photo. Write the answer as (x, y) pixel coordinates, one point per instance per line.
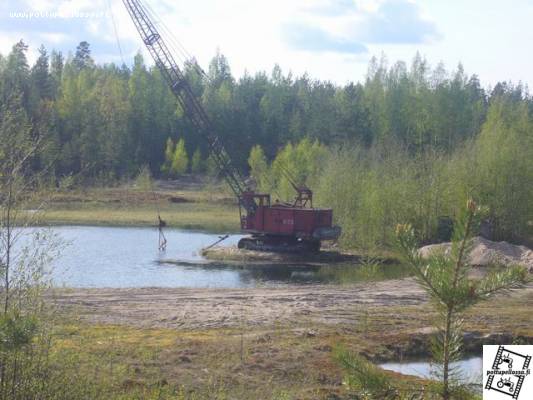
(208, 217)
(292, 361)
(202, 209)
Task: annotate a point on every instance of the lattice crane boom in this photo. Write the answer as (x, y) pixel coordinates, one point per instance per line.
(273, 226)
(191, 106)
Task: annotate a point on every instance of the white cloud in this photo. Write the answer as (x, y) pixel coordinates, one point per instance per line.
(7, 40)
(490, 37)
(54, 38)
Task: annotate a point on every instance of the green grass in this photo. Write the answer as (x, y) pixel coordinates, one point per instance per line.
(208, 217)
(130, 363)
(212, 211)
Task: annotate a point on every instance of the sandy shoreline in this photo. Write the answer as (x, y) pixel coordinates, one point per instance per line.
(188, 308)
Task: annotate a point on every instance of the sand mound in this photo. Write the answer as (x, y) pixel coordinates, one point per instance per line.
(485, 252)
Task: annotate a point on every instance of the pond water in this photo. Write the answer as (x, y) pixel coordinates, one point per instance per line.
(470, 368)
(118, 257)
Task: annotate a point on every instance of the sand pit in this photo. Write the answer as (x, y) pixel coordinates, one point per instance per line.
(486, 253)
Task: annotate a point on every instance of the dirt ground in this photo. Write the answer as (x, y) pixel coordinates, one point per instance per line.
(269, 343)
(191, 309)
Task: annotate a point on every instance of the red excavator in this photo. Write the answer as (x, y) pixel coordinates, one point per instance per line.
(278, 226)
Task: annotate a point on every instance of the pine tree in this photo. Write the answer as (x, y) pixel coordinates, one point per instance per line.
(219, 70)
(82, 58)
(445, 279)
(40, 75)
(16, 75)
(56, 70)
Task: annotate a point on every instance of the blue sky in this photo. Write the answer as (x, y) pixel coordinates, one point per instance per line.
(329, 39)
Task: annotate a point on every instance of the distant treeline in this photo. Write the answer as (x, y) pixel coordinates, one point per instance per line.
(407, 144)
(109, 120)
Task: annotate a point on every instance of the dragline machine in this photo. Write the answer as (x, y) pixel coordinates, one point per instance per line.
(272, 226)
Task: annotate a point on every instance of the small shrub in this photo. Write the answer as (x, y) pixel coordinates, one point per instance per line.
(197, 164)
(67, 182)
(143, 181)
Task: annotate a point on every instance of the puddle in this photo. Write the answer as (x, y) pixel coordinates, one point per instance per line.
(469, 368)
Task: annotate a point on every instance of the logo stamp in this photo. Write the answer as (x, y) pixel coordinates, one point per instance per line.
(507, 373)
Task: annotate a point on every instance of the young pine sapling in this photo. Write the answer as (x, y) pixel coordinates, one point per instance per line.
(445, 277)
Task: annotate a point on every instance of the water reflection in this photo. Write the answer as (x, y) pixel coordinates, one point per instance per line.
(128, 257)
(469, 369)
(344, 273)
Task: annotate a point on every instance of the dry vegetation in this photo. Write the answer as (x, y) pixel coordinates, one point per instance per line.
(275, 359)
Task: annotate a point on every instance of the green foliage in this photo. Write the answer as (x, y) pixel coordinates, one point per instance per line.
(110, 117)
(180, 159)
(197, 164)
(143, 181)
(82, 59)
(373, 190)
(211, 167)
(365, 379)
(299, 163)
(41, 79)
(15, 136)
(445, 278)
(67, 182)
(16, 331)
(170, 148)
(409, 143)
(259, 167)
(24, 254)
(503, 166)
(15, 75)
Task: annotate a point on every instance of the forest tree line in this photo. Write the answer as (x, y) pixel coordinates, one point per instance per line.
(114, 119)
(407, 143)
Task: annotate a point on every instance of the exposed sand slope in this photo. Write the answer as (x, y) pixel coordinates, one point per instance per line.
(485, 252)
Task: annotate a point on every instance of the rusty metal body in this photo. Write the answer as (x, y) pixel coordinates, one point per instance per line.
(285, 219)
(286, 226)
